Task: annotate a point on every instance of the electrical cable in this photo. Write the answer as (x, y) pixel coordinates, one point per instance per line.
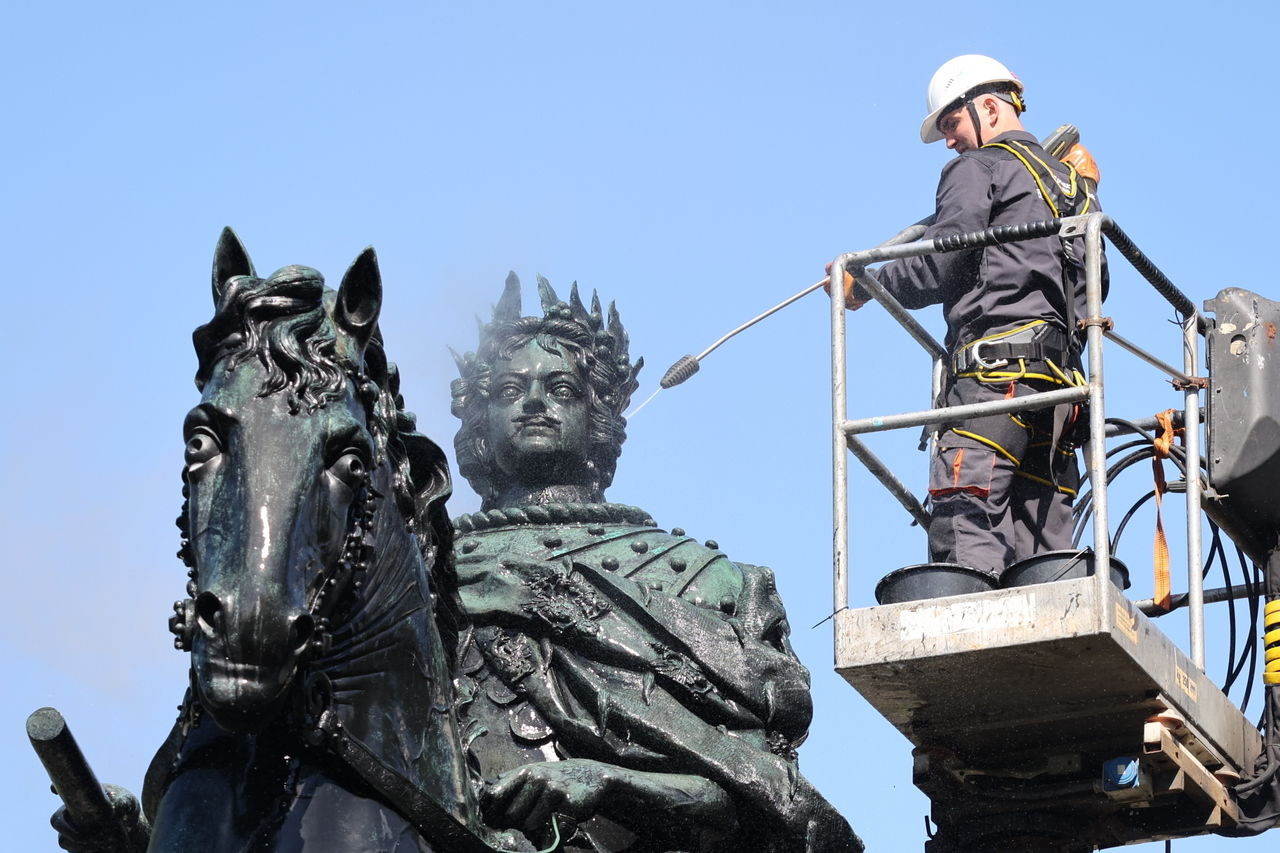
(1115, 540)
(1267, 724)
(1241, 657)
(1128, 445)
(1255, 613)
(1218, 555)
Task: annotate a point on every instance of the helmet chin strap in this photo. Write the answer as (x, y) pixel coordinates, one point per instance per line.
(973, 116)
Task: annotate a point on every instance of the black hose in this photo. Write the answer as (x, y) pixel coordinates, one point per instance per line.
(1129, 445)
(1147, 268)
(1115, 540)
(996, 235)
(1131, 425)
(1216, 552)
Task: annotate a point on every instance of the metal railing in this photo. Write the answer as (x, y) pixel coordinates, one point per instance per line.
(1092, 227)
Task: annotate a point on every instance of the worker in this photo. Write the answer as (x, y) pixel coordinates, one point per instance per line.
(1001, 486)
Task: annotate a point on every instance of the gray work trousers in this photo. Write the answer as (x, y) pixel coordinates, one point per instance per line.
(1000, 489)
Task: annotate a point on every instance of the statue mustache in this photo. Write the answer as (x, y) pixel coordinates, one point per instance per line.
(539, 419)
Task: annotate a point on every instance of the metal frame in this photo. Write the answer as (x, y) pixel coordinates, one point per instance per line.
(1092, 227)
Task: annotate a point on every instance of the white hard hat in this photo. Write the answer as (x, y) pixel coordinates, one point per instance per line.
(957, 78)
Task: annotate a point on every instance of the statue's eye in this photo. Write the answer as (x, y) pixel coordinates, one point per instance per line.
(350, 468)
(564, 391)
(201, 447)
(510, 391)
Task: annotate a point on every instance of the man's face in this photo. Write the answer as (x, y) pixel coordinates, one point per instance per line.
(538, 416)
(957, 128)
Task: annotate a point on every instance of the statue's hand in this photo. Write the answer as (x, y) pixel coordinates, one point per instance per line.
(99, 839)
(527, 797)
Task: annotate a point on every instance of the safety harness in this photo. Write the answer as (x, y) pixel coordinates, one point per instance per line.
(1036, 350)
(1036, 341)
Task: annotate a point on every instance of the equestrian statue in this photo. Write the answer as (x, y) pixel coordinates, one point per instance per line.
(551, 673)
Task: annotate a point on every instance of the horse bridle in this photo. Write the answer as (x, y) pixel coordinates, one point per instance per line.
(338, 579)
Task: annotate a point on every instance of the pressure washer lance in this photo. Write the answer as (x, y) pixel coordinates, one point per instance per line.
(1056, 144)
(688, 365)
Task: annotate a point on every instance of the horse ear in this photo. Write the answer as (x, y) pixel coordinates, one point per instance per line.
(360, 298)
(229, 259)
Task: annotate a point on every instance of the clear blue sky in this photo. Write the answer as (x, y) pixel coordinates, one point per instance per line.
(695, 162)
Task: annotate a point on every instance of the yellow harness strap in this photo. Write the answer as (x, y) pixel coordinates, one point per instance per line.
(1025, 155)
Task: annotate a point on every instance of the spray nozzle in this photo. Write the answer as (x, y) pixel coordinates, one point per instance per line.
(686, 366)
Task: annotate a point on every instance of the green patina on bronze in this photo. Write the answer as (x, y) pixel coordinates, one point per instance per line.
(633, 682)
(616, 687)
(321, 614)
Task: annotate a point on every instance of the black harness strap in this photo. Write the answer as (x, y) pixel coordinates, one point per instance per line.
(1069, 198)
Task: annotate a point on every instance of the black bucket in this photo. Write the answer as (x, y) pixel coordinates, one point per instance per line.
(1060, 566)
(932, 580)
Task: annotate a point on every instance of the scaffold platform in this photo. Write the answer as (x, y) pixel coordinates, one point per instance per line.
(1021, 701)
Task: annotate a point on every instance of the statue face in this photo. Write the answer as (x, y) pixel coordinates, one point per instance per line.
(538, 416)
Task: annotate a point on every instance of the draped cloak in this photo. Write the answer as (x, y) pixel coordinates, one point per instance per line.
(597, 635)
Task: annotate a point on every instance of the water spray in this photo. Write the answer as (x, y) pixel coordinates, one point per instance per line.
(1057, 143)
(631, 414)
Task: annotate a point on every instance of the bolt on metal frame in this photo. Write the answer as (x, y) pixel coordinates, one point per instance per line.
(845, 431)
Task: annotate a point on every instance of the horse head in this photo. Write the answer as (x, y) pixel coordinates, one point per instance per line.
(296, 441)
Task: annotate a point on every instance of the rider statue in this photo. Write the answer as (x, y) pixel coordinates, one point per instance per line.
(621, 687)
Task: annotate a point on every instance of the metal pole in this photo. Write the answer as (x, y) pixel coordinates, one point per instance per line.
(1038, 400)
(839, 447)
(887, 479)
(867, 279)
(1211, 596)
(938, 382)
(1150, 359)
(1191, 443)
(1097, 456)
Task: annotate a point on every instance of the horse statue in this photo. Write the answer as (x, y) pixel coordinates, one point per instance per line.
(322, 614)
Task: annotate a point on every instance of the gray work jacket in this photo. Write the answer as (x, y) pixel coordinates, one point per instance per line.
(984, 291)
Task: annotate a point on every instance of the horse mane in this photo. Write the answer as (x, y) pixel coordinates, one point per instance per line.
(282, 320)
(286, 322)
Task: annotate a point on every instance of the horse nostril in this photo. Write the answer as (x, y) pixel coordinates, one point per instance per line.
(208, 609)
(301, 630)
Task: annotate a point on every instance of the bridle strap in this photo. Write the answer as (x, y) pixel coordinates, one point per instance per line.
(415, 805)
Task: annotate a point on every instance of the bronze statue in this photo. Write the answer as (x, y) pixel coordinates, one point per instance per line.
(633, 682)
(321, 616)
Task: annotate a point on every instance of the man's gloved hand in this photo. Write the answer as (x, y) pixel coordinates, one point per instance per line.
(1077, 155)
(78, 839)
(850, 302)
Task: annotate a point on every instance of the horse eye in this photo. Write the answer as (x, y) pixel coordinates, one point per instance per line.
(349, 468)
(201, 447)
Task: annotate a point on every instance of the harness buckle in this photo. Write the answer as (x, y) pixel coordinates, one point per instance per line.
(976, 350)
